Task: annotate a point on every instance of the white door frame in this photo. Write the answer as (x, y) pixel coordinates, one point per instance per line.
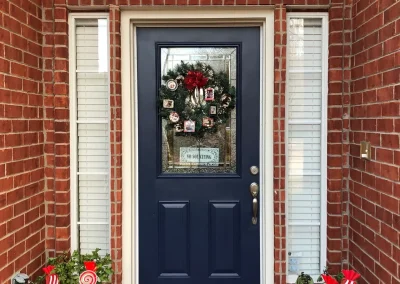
(194, 16)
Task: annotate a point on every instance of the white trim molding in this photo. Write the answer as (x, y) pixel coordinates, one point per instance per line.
(190, 16)
(322, 122)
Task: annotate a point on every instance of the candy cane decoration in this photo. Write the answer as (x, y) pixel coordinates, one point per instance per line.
(88, 277)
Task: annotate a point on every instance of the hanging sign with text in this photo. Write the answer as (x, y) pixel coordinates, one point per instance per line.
(199, 156)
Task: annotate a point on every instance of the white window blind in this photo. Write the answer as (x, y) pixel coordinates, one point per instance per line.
(306, 145)
(90, 146)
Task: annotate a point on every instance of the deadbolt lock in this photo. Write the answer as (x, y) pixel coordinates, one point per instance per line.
(254, 170)
(254, 189)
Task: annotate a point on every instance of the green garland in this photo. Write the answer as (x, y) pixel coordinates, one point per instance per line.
(184, 106)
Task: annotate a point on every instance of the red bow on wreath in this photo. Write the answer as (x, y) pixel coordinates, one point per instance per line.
(195, 79)
(90, 265)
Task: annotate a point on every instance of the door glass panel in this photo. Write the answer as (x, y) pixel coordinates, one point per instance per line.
(197, 103)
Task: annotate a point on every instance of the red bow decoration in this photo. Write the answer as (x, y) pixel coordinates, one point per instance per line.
(350, 275)
(195, 79)
(90, 265)
(48, 269)
(329, 279)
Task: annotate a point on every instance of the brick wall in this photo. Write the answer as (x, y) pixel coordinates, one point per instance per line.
(56, 127)
(362, 88)
(22, 211)
(116, 142)
(279, 144)
(55, 115)
(338, 131)
(375, 117)
(337, 220)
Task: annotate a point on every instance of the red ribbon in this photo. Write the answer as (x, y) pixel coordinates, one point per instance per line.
(48, 269)
(329, 279)
(90, 265)
(350, 275)
(195, 79)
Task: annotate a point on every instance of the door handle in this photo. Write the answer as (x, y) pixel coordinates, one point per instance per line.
(255, 211)
(254, 193)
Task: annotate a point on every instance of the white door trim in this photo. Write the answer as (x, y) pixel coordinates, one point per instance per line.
(194, 16)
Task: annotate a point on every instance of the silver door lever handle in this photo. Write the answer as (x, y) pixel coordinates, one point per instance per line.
(254, 193)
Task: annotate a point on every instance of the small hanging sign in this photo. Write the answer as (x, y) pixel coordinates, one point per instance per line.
(199, 156)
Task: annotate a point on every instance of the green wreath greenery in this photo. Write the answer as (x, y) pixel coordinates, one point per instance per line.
(185, 95)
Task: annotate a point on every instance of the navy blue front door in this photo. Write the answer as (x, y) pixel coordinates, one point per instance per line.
(196, 219)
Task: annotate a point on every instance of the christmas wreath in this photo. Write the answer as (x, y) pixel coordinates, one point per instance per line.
(195, 99)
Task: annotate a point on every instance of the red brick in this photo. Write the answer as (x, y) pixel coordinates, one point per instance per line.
(390, 203)
(15, 223)
(387, 32)
(385, 125)
(392, 44)
(29, 33)
(391, 77)
(390, 140)
(4, 65)
(397, 158)
(13, 83)
(390, 172)
(384, 155)
(12, 111)
(391, 109)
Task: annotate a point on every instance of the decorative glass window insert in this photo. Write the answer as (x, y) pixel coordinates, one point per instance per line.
(198, 106)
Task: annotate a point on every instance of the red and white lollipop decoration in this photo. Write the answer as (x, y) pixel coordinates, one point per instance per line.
(89, 276)
(350, 276)
(51, 277)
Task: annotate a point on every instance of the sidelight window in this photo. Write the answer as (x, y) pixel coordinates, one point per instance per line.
(89, 130)
(306, 108)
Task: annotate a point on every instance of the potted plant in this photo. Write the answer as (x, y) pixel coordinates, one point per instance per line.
(77, 268)
(304, 279)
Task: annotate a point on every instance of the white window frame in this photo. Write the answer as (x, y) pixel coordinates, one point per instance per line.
(74, 204)
(324, 134)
